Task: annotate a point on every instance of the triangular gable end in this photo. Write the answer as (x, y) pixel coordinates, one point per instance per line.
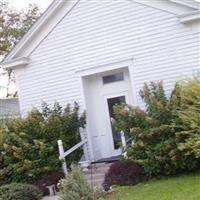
(60, 8)
(43, 26)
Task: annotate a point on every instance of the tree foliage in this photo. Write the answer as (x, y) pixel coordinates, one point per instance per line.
(14, 24)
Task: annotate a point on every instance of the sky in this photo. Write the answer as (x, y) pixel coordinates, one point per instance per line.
(43, 4)
(22, 4)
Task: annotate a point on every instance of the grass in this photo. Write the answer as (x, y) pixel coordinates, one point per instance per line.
(186, 187)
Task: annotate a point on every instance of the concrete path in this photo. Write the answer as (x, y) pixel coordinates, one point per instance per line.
(50, 198)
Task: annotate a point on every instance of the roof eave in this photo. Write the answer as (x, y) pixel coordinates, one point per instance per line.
(194, 16)
(188, 3)
(18, 62)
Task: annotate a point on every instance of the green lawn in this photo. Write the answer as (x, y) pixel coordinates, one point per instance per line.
(186, 187)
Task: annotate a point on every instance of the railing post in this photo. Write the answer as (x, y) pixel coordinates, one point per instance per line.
(123, 139)
(85, 149)
(62, 157)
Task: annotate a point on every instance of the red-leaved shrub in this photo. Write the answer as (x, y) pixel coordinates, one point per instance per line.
(50, 178)
(124, 172)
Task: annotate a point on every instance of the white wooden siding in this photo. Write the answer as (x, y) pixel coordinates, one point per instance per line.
(99, 32)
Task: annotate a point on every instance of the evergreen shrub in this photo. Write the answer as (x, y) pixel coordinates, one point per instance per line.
(18, 191)
(74, 186)
(158, 131)
(189, 115)
(30, 147)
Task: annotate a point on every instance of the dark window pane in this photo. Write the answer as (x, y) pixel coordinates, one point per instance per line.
(111, 103)
(113, 78)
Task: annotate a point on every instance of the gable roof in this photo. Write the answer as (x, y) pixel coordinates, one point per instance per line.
(60, 8)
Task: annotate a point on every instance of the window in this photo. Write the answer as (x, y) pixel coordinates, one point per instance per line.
(113, 78)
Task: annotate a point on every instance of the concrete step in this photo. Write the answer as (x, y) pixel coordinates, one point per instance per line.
(95, 178)
(96, 173)
(101, 166)
(50, 198)
(97, 184)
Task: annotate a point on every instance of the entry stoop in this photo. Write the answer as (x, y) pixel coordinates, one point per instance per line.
(96, 172)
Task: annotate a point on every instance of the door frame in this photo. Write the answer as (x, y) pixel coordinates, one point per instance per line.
(99, 68)
(113, 151)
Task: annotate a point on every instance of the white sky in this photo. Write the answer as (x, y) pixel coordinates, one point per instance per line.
(22, 4)
(43, 4)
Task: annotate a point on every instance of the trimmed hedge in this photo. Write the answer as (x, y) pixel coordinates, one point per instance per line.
(18, 191)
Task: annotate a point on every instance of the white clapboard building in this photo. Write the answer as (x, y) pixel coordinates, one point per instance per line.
(100, 52)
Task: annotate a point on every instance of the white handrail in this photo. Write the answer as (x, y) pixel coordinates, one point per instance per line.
(64, 154)
(74, 148)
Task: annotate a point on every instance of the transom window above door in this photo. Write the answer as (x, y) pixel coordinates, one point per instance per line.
(113, 78)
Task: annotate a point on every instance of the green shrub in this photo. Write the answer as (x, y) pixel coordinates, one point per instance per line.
(30, 148)
(154, 131)
(74, 186)
(18, 191)
(189, 115)
(2, 140)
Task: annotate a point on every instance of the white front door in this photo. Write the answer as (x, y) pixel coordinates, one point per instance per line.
(102, 92)
(114, 136)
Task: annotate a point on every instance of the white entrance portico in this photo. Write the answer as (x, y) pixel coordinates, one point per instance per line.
(102, 91)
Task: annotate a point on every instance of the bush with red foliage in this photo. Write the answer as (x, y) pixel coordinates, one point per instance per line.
(50, 178)
(124, 172)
